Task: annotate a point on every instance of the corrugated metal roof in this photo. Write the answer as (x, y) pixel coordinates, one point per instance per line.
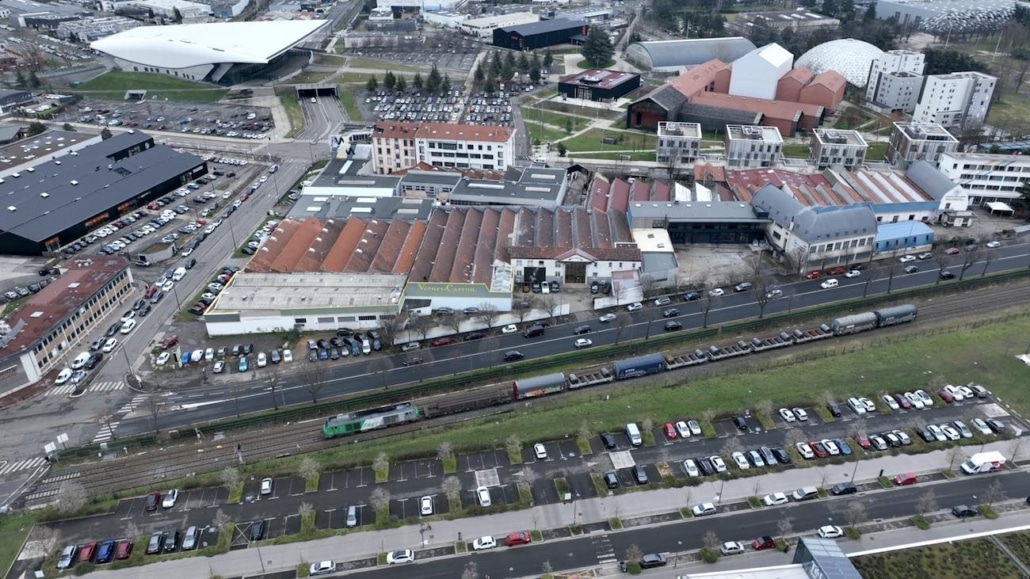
(695, 51)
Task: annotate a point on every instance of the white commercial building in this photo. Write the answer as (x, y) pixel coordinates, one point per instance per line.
(678, 143)
(757, 73)
(895, 81)
(484, 27)
(987, 178)
(752, 146)
(445, 19)
(893, 61)
(397, 146)
(959, 100)
(911, 142)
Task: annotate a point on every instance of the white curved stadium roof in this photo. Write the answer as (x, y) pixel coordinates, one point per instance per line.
(188, 45)
(851, 58)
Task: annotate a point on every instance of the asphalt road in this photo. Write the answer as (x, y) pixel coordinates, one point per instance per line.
(321, 118)
(214, 402)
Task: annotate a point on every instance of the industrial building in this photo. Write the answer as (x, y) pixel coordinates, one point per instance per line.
(838, 148)
(958, 101)
(484, 27)
(797, 20)
(44, 332)
(515, 186)
(397, 146)
(895, 80)
(752, 146)
(987, 178)
(61, 199)
(941, 16)
(756, 73)
(539, 34)
(90, 29)
(911, 142)
(678, 143)
(599, 85)
(672, 55)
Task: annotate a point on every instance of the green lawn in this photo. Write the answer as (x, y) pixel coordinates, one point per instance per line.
(628, 156)
(876, 151)
(591, 141)
(13, 531)
(554, 119)
(588, 112)
(384, 65)
(349, 100)
(309, 77)
(953, 560)
(1011, 112)
(543, 133)
(293, 112)
(113, 85)
(796, 151)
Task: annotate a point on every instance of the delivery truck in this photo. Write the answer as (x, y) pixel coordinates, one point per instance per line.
(982, 462)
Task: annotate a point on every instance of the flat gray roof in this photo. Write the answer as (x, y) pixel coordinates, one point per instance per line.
(346, 173)
(309, 292)
(733, 211)
(342, 207)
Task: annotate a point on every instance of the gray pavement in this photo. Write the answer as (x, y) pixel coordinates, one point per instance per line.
(447, 532)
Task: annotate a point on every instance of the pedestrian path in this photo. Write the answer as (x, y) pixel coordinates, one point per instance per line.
(133, 404)
(20, 465)
(66, 389)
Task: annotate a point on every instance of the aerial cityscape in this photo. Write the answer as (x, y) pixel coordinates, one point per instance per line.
(552, 289)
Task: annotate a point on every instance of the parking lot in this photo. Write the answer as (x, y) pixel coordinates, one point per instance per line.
(224, 120)
(450, 52)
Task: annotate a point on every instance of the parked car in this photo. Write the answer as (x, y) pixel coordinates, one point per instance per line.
(398, 557)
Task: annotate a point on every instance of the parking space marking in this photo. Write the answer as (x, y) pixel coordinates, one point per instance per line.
(488, 478)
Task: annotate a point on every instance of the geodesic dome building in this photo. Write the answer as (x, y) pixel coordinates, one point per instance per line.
(849, 57)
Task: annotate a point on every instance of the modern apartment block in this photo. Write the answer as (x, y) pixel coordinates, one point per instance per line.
(837, 148)
(678, 143)
(895, 80)
(955, 101)
(986, 178)
(911, 142)
(752, 146)
(397, 146)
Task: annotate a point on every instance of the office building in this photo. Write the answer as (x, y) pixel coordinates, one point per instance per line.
(678, 143)
(958, 101)
(752, 146)
(987, 178)
(397, 146)
(838, 148)
(912, 142)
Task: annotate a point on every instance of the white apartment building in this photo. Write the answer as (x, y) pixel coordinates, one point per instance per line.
(955, 101)
(678, 143)
(986, 178)
(911, 142)
(752, 146)
(397, 146)
(894, 61)
(837, 148)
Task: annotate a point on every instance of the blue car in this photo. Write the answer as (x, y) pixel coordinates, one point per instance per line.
(243, 364)
(185, 358)
(105, 552)
(323, 354)
(845, 450)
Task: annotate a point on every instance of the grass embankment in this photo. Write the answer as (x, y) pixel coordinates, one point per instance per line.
(956, 560)
(294, 114)
(112, 86)
(592, 140)
(557, 120)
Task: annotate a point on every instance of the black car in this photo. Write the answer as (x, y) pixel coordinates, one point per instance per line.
(843, 489)
(345, 332)
(145, 311)
(274, 356)
(513, 356)
(334, 354)
(947, 275)
(473, 336)
(377, 340)
(581, 330)
(190, 263)
(834, 409)
(691, 296)
(257, 530)
(172, 541)
(652, 560)
(237, 350)
(639, 476)
(608, 440)
(139, 304)
(995, 425)
(781, 455)
(926, 435)
(672, 326)
(706, 466)
(97, 344)
(413, 361)
(113, 329)
(94, 359)
(740, 423)
(963, 511)
(312, 355)
(248, 349)
(670, 313)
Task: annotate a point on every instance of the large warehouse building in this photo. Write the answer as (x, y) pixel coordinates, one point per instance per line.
(224, 52)
(539, 34)
(55, 202)
(672, 55)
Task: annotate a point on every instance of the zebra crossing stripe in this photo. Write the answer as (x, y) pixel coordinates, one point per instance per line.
(19, 465)
(66, 389)
(106, 432)
(61, 477)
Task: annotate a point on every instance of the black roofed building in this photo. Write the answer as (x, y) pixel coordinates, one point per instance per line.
(599, 85)
(539, 34)
(53, 203)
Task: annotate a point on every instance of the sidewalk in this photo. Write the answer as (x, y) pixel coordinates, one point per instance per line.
(363, 545)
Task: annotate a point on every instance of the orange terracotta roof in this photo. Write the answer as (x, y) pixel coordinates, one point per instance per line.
(408, 251)
(830, 79)
(770, 108)
(703, 170)
(693, 81)
(802, 75)
(298, 245)
(336, 260)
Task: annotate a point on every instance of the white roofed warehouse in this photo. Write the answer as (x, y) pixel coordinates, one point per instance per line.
(221, 52)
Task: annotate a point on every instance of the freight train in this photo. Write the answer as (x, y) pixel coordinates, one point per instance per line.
(548, 384)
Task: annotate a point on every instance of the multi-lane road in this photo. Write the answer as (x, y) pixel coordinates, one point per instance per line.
(213, 401)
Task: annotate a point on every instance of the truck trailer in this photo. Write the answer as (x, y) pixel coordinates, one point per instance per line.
(982, 462)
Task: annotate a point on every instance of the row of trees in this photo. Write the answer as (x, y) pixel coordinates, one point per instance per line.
(503, 67)
(434, 82)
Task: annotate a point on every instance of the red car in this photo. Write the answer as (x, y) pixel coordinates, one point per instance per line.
(150, 292)
(444, 341)
(946, 396)
(903, 480)
(864, 442)
(169, 342)
(813, 275)
(86, 552)
(836, 271)
(763, 543)
(670, 430)
(903, 401)
(152, 501)
(952, 251)
(818, 448)
(123, 550)
(514, 539)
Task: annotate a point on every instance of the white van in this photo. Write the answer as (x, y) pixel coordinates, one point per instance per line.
(178, 274)
(829, 284)
(633, 434)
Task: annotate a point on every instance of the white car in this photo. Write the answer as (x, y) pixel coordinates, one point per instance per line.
(831, 532)
(209, 354)
(607, 318)
(717, 292)
(322, 568)
(167, 286)
(831, 447)
(805, 450)
(853, 273)
(169, 499)
(484, 543)
(540, 451)
(682, 429)
(856, 405)
(980, 425)
(704, 509)
(787, 415)
(907, 259)
(109, 345)
(718, 463)
(890, 402)
(128, 316)
(695, 427)
(483, 495)
(426, 506)
(266, 486)
(509, 329)
(868, 404)
(287, 356)
(937, 433)
(950, 432)
(927, 401)
(691, 468)
(772, 294)
(637, 306)
(916, 401)
(262, 360)
(966, 391)
(993, 244)
(955, 392)
(162, 358)
(962, 429)
(80, 360)
(800, 414)
(403, 556)
(63, 376)
(775, 499)
(583, 343)
(742, 463)
(218, 368)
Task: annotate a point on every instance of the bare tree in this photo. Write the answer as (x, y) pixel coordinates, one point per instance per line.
(388, 333)
(71, 496)
(731, 445)
(798, 259)
(855, 513)
(708, 415)
(421, 325)
(273, 386)
(858, 429)
(621, 322)
(522, 313)
(235, 389)
(382, 366)
(47, 538)
(452, 322)
(451, 487)
(872, 274)
(994, 493)
(230, 477)
(584, 431)
(707, 303)
(756, 485)
(445, 451)
(513, 444)
(489, 314)
(793, 436)
(826, 398)
(941, 258)
(550, 304)
(221, 519)
(315, 378)
(955, 455)
(647, 424)
(379, 499)
(132, 531)
(305, 509)
(546, 567)
(154, 407)
(710, 540)
(986, 252)
(890, 270)
(634, 554)
(471, 571)
(785, 527)
(969, 258)
(762, 295)
(309, 468)
(529, 476)
(764, 408)
(927, 503)
(381, 462)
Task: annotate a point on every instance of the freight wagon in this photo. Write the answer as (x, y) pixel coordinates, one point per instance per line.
(365, 420)
(639, 366)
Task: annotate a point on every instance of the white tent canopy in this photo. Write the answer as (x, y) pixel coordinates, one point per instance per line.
(996, 207)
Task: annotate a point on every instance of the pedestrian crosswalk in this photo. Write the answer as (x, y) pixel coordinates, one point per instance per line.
(106, 432)
(66, 389)
(19, 465)
(133, 404)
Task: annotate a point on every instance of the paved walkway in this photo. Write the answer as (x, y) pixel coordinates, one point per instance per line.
(368, 544)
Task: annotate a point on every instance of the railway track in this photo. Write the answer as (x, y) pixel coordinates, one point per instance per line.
(188, 459)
